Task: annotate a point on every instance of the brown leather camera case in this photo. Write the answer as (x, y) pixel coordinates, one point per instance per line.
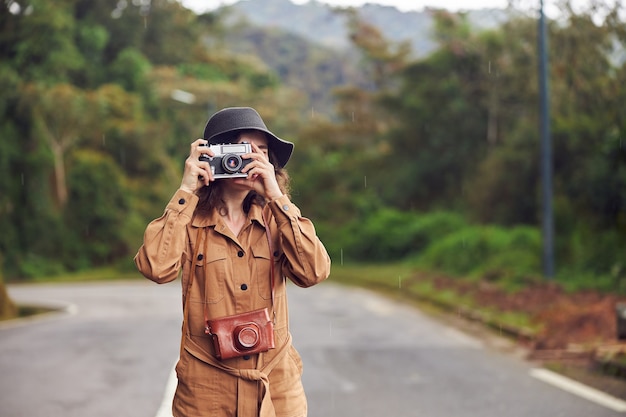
(241, 334)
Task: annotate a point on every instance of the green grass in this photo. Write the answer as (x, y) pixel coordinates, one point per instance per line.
(388, 275)
(31, 310)
(99, 274)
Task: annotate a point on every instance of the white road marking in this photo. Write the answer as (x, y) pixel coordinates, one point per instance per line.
(165, 410)
(579, 389)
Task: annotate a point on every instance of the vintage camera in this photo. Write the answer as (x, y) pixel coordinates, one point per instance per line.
(241, 334)
(227, 162)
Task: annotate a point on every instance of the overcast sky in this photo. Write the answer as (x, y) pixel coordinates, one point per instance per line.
(404, 5)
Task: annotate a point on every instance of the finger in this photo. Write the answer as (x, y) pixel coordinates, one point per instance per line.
(252, 176)
(257, 150)
(243, 181)
(206, 173)
(201, 147)
(255, 167)
(199, 143)
(199, 170)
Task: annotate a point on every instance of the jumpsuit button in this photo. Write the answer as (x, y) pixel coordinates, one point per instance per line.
(286, 207)
(240, 254)
(276, 254)
(246, 357)
(200, 257)
(181, 201)
(244, 287)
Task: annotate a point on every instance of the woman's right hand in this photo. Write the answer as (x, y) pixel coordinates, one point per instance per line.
(197, 173)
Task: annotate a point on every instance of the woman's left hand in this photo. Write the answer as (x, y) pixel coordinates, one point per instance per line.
(261, 174)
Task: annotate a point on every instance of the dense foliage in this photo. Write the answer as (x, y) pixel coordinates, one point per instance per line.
(459, 131)
(93, 138)
(433, 160)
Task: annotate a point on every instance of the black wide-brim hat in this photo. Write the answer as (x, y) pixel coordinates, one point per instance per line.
(231, 119)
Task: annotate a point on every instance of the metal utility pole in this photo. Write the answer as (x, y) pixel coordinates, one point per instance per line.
(546, 151)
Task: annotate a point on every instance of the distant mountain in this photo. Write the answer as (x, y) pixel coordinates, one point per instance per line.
(318, 23)
(307, 46)
(299, 63)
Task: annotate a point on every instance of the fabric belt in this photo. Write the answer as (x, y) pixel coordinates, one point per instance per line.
(247, 383)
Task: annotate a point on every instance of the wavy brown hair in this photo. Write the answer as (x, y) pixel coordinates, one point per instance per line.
(212, 196)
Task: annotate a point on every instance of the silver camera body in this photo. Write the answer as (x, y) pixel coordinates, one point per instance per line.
(227, 161)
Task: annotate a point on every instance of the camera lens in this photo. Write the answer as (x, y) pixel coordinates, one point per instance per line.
(231, 163)
(248, 338)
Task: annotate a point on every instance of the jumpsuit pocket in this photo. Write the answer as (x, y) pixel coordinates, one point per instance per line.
(211, 270)
(262, 261)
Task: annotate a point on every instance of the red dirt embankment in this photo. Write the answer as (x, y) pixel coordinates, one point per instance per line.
(585, 319)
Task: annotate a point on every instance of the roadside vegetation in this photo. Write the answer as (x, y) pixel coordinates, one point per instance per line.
(426, 164)
(403, 282)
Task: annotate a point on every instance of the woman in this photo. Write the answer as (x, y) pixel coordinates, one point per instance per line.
(215, 232)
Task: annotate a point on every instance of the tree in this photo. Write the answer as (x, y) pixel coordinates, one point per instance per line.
(99, 209)
(37, 37)
(61, 130)
(439, 123)
(381, 58)
(589, 116)
(504, 187)
(344, 152)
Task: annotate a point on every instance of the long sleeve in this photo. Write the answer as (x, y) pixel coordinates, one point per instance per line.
(306, 261)
(165, 241)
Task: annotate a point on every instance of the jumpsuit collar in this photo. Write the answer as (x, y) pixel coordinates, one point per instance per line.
(214, 219)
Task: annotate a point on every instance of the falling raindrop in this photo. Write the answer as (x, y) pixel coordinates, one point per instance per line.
(341, 257)
(22, 179)
(103, 140)
(365, 181)
(399, 282)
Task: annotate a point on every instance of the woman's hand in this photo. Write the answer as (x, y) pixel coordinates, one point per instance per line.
(197, 173)
(261, 174)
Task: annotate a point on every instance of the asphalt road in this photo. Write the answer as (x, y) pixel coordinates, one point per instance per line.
(112, 353)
